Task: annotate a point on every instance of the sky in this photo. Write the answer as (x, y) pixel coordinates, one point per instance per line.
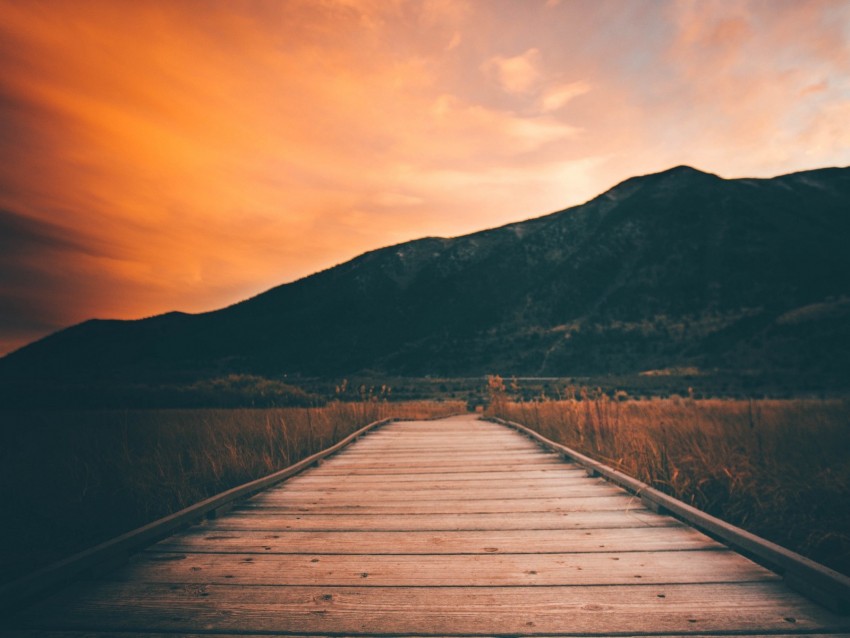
(186, 154)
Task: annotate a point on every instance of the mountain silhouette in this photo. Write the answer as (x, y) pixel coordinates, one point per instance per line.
(678, 268)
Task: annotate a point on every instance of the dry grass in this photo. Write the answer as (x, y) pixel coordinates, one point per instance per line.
(74, 478)
(778, 468)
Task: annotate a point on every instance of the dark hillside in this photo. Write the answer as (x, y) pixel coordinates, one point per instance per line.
(679, 268)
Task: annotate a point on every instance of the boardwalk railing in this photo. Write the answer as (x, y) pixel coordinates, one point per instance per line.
(820, 583)
(116, 550)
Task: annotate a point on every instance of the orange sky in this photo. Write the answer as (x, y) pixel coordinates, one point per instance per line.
(187, 154)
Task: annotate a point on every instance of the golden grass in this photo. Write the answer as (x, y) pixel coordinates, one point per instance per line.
(778, 468)
(75, 478)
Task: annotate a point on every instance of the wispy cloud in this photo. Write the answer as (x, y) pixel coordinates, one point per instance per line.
(559, 95)
(517, 74)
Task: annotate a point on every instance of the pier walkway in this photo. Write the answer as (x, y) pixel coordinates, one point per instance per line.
(455, 527)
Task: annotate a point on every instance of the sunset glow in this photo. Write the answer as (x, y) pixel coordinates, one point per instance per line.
(166, 155)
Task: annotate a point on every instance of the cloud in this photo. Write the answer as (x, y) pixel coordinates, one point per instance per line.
(38, 268)
(463, 130)
(519, 74)
(24, 236)
(560, 95)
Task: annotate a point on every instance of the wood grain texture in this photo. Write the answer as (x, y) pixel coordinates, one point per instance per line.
(471, 570)
(639, 539)
(587, 491)
(441, 522)
(382, 470)
(465, 481)
(740, 607)
(39, 633)
(441, 505)
(328, 481)
(440, 528)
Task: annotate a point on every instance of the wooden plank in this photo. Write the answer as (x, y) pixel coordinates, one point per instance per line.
(320, 479)
(504, 506)
(365, 446)
(329, 475)
(453, 454)
(430, 449)
(351, 488)
(40, 633)
(618, 609)
(391, 471)
(447, 448)
(450, 453)
(48, 633)
(438, 462)
(442, 443)
(480, 493)
(477, 489)
(637, 539)
(440, 493)
(486, 491)
(415, 481)
(446, 571)
(442, 522)
(436, 466)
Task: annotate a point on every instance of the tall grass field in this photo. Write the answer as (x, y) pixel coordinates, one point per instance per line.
(778, 468)
(72, 479)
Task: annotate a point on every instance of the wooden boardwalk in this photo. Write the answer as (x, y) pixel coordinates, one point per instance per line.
(451, 527)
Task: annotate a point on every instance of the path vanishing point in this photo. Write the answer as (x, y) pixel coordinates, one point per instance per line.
(456, 527)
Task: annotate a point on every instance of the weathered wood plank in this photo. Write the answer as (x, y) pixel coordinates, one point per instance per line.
(446, 444)
(48, 633)
(739, 607)
(442, 462)
(391, 471)
(446, 571)
(572, 480)
(639, 539)
(442, 522)
(503, 493)
(439, 506)
(431, 452)
(327, 480)
(365, 446)
(373, 492)
(446, 453)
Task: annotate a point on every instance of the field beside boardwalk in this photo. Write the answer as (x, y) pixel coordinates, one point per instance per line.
(778, 468)
(72, 479)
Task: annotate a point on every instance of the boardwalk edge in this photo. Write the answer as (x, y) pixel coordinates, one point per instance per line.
(812, 579)
(114, 552)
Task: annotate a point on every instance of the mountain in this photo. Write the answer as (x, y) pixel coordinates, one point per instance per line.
(678, 268)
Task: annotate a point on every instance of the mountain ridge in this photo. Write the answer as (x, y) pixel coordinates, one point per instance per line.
(670, 269)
